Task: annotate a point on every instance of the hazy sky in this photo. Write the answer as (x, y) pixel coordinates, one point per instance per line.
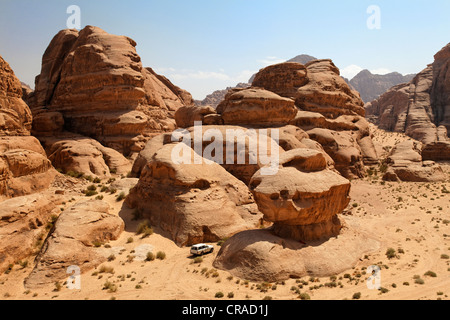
(205, 45)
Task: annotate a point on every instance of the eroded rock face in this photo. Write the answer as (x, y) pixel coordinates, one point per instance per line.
(193, 202)
(325, 102)
(72, 242)
(303, 194)
(96, 81)
(15, 116)
(419, 108)
(261, 255)
(22, 221)
(256, 107)
(24, 167)
(406, 164)
(84, 155)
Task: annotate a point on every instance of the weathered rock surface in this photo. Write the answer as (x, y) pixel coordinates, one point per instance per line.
(72, 242)
(187, 115)
(325, 102)
(76, 153)
(193, 202)
(15, 116)
(23, 220)
(419, 108)
(405, 164)
(24, 167)
(256, 107)
(97, 83)
(303, 197)
(260, 255)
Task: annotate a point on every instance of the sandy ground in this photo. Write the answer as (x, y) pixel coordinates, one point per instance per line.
(411, 218)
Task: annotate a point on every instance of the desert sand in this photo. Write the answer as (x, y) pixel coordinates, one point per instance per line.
(410, 217)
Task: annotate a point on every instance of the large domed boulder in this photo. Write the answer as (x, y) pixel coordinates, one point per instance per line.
(193, 202)
(256, 107)
(308, 238)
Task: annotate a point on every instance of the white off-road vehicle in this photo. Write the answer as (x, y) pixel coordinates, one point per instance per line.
(201, 248)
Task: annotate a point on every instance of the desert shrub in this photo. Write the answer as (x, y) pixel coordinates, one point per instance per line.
(390, 253)
(97, 180)
(304, 296)
(383, 290)
(198, 260)
(58, 286)
(111, 287)
(219, 295)
(430, 274)
(160, 255)
(106, 269)
(144, 228)
(150, 256)
(356, 296)
(230, 295)
(74, 174)
(121, 196)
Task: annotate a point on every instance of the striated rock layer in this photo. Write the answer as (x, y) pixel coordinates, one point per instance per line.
(420, 108)
(192, 202)
(24, 167)
(94, 84)
(328, 110)
(71, 243)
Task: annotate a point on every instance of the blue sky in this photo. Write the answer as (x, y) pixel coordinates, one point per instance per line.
(204, 45)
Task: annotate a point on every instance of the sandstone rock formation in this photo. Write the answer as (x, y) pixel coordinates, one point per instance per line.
(69, 152)
(23, 222)
(328, 110)
(97, 84)
(303, 198)
(260, 255)
(24, 167)
(192, 202)
(256, 107)
(405, 164)
(419, 108)
(15, 116)
(308, 238)
(72, 242)
(218, 96)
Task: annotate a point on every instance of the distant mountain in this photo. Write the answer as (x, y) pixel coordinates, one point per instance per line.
(217, 96)
(371, 86)
(303, 59)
